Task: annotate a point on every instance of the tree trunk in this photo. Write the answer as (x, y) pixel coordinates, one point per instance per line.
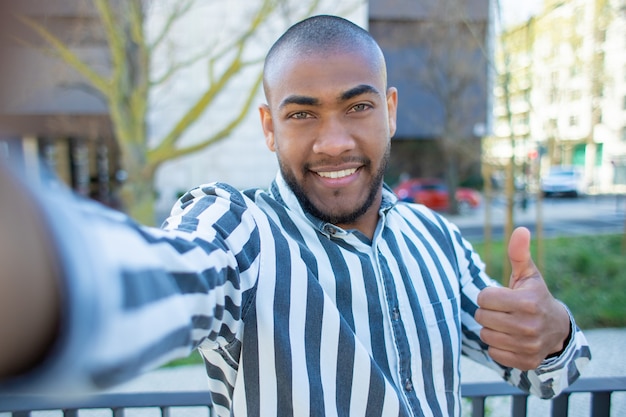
(452, 180)
(138, 199)
(487, 229)
(510, 215)
(624, 235)
(137, 192)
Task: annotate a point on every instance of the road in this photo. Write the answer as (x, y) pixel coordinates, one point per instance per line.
(561, 217)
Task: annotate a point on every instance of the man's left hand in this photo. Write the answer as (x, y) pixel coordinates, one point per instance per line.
(522, 324)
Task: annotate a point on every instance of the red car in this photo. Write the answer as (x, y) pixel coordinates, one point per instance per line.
(433, 193)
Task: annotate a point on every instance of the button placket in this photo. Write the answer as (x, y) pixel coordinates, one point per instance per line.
(408, 385)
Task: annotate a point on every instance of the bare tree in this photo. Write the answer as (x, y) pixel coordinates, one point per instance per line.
(453, 71)
(133, 75)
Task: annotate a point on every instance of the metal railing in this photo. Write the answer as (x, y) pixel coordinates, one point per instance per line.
(601, 390)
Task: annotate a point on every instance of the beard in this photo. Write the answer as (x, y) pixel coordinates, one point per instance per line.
(348, 217)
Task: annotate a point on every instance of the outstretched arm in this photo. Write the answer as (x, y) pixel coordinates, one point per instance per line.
(94, 298)
(29, 299)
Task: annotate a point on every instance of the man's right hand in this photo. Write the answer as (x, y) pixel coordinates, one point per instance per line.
(29, 296)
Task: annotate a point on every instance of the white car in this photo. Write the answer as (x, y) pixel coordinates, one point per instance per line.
(563, 181)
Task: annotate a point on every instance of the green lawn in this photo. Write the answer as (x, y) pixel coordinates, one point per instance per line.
(193, 359)
(587, 273)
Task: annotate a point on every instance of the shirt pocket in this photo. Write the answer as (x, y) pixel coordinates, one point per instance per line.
(443, 327)
(440, 312)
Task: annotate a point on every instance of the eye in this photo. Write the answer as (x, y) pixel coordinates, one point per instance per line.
(300, 115)
(359, 108)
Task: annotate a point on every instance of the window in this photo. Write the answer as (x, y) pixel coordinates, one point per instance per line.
(553, 95)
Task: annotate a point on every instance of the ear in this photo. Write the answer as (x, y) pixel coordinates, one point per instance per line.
(392, 106)
(268, 126)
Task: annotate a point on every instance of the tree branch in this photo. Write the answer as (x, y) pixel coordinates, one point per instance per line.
(159, 155)
(181, 8)
(205, 100)
(175, 67)
(63, 52)
(141, 81)
(113, 33)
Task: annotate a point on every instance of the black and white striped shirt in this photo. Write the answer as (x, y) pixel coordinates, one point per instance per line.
(292, 316)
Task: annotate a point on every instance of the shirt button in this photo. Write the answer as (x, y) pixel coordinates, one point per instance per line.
(395, 314)
(408, 385)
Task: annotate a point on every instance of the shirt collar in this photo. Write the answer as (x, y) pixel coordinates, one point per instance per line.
(282, 193)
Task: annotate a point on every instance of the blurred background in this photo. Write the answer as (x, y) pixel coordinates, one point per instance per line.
(134, 102)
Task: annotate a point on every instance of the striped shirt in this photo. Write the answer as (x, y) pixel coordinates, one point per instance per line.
(292, 315)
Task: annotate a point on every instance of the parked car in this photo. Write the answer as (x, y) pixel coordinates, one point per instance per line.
(433, 193)
(563, 181)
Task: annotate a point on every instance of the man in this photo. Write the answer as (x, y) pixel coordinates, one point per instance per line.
(322, 296)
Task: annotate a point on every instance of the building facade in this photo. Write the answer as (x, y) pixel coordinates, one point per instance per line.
(47, 112)
(561, 91)
(438, 56)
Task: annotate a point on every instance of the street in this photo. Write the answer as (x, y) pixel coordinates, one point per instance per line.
(560, 216)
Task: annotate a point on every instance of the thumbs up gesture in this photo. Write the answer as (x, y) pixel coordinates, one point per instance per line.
(522, 324)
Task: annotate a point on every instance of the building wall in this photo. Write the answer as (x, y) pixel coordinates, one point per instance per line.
(576, 89)
(44, 85)
(425, 10)
(51, 112)
(46, 112)
(242, 159)
(438, 55)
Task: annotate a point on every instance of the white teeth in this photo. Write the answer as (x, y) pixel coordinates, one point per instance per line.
(337, 174)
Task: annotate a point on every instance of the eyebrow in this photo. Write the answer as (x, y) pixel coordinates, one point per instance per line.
(357, 91)
(301, 100)
(345, 96)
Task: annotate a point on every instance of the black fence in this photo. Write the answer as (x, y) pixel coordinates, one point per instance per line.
(600, 389)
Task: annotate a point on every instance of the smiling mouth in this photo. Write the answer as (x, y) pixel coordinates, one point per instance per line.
(337, 174)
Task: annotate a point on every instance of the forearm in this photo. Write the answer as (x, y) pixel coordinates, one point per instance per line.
(29, 297)
(126, 290)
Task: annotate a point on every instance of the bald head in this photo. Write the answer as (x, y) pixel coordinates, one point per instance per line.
(322, 34)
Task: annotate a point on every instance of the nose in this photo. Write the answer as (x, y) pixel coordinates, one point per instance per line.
(333, 138)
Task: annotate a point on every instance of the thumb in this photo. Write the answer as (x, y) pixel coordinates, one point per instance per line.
(522, 265)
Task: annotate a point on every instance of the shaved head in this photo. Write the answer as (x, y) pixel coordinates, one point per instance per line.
(322, 34)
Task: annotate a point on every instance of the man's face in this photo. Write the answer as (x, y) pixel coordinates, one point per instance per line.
(330, 120)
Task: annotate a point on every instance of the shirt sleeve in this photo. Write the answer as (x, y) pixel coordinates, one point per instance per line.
(134, 297)
(553, 375)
